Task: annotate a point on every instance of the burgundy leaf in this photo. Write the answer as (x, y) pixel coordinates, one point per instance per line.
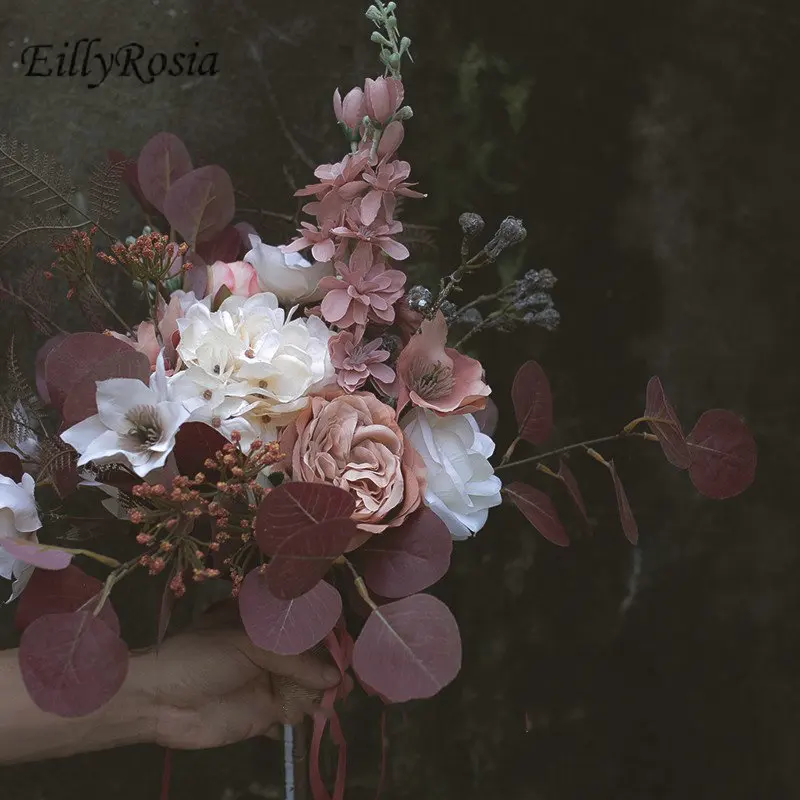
(225, 246)
(295, 505)
(539, 510)
(408, 559)
(81, 401)
(74, 358)
(409, 649)
(130, 177)
(723, 455)
(668, 428)
(11, 466)
(41, 357)
(194, 443)
(163, 160)
(287, 627)
(533, 403)
(200, 204)
(568, 479)
(629, 526)
(36, 554)
(304, 557)
(72, 663)
(69, 589)
(487, 417)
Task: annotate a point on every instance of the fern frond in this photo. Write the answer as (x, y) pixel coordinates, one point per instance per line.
(54, 456)
(32, 227)
(38, 315)
(104, 186)
(18, 386)
(33, 175)
(12, 432)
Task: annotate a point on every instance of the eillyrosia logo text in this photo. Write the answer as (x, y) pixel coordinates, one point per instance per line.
(86, 58)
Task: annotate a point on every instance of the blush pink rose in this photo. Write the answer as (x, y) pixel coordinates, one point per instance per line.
(436, 377)
(239, 276)
(353, 441)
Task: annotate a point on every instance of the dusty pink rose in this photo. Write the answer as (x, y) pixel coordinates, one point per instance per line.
(239, 276)
(382, 97)
(365, 290)
(355, 361)
(353, 441)
(437, 377)
(350, 111)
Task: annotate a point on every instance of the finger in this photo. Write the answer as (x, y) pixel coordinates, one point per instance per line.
(307, 670)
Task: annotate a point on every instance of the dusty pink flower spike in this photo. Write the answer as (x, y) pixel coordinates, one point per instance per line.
(351, 110)
(382, 97)
(388, 182)
(436, 377)
(356, 361)
(379, 232)
(343, 177)
(365, 291)
(323, 248)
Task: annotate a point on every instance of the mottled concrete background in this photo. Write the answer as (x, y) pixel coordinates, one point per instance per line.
(652, 149)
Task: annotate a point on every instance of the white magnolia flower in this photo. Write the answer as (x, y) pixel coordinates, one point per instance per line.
(287, 275)
(462, 486)
(13, 569)
(250, 361)
(19, 519)
(134, 422)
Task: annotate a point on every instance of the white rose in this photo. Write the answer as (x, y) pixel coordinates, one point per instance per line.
(135, 422)
(250, 366)
(19, 519)
(288, 275)
(462, 486)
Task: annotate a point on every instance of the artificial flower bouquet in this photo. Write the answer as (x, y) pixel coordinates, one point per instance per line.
(293, 422)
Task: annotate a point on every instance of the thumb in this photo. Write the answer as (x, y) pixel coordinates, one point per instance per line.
(308, 670)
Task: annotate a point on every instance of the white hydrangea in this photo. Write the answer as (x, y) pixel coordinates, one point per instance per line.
(249, 366)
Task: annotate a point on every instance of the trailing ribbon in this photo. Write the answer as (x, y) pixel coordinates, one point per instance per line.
(340, 646)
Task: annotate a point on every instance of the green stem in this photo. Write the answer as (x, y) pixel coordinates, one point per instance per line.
(585, 444)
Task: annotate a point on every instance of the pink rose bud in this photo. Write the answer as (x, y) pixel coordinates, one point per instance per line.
(382, 97)
(239, 276)
(349, 111)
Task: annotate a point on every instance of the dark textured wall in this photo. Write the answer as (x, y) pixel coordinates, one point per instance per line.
(652, 149)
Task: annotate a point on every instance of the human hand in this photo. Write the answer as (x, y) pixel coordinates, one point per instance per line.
(212, 687)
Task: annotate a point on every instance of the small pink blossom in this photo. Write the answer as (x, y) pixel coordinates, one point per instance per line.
(439, 378)
(355, 361)
(239, 277)
(350, 111)
(365, 291)
(378, 233)
(323, 248)
(344, 177)
(388, 182)
(382, 97)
